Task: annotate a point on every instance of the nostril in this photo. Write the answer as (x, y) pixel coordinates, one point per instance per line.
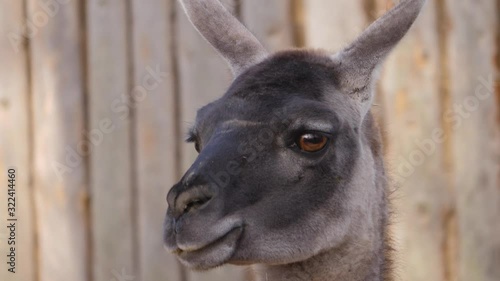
(195, 204)
(191, 199)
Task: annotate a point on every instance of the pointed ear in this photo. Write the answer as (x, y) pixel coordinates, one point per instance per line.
(226, 34)
(357, 65)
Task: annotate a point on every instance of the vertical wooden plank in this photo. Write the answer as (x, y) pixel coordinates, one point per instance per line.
(203, 77)
(412, 109)
(270, 21)
(14, 142)
(153, 98)
(473, 76)
(333, 24)
(60, 173)
(109, 130)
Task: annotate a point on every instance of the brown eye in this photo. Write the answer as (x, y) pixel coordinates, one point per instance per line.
(197, 147)
(312, 142)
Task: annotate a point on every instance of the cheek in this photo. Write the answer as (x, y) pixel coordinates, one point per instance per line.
(282, 184)
(285, 168)
(305, 234)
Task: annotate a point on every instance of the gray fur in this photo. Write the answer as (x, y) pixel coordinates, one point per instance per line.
(228, 36)
(359, 63)
(252, 197)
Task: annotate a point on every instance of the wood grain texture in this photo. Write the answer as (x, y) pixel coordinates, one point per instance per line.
(203, 77)
(270, 21)
(60, 172)
(473, 76)
(15, 142)
(332, 25)
(109, 129)
(412, 109)
(153, 99)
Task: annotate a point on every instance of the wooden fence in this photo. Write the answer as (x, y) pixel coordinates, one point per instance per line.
(95, 97)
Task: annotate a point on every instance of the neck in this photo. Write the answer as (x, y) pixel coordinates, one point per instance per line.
(357, 260)
(364, 256)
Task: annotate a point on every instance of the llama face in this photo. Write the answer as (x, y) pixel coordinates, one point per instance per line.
(288, 156)
(260, 190)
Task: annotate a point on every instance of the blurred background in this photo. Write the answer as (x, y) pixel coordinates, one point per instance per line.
(96, 96)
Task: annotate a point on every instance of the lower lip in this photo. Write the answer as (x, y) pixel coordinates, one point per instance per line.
(234, 234)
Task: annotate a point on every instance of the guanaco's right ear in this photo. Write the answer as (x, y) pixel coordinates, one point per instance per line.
(359, 62)
(226, 34)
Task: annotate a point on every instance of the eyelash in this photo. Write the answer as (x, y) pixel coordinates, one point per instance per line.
(192, 138)
(293, 136)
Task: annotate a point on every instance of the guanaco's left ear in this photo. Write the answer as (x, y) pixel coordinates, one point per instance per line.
(226, 34)
(357, 65)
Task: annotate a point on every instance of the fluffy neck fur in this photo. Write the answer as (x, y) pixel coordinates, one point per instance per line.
(353, 261)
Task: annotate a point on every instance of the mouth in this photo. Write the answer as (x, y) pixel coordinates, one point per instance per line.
(213, 254)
